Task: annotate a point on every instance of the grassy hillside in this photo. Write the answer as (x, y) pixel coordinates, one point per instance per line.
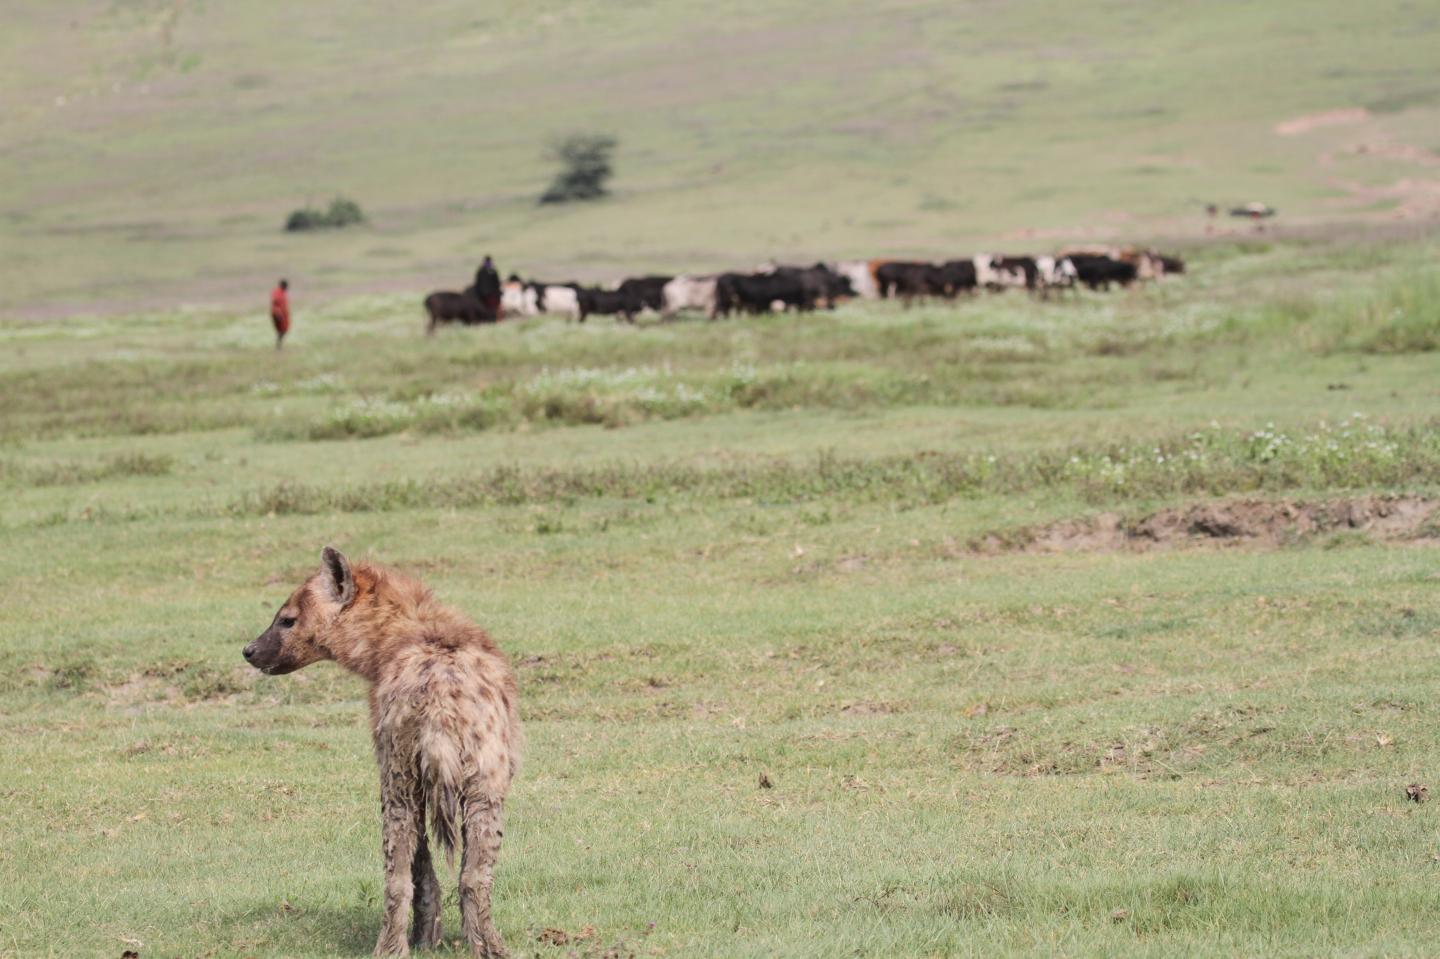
(151, 150)
(857, 553)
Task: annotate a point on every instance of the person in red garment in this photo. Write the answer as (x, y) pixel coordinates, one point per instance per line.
(280, 311)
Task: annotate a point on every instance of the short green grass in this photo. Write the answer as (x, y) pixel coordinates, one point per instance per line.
(716, 551)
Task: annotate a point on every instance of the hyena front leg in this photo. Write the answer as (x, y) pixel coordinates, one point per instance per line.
(398, 838)
(477, 873)
(425, 931)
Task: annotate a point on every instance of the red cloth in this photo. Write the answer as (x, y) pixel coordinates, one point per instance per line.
(280, 310)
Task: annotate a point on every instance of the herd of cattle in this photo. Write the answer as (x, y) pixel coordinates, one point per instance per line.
(775, 288)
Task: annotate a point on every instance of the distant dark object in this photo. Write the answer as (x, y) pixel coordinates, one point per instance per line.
(765, 782)
(341, 213)
(585, 169)
(447, 306)
(907, 279)
(1171, 264)
(759, 292)
(648, 290)
(1254, 211)
(1098, 272)
(1415, 792)
(799, 288)
(622, 303)
(487, 286)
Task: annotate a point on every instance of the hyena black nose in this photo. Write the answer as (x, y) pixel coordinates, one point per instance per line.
(249, 652)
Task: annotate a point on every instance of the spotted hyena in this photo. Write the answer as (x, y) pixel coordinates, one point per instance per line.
(443, 716)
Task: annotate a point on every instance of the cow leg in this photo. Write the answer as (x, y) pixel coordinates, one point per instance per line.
(425, 929)
(398, 837)
(477, 875)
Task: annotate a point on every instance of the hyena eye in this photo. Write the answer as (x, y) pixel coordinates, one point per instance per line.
(286, 622)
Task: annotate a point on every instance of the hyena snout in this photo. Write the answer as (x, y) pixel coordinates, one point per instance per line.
(266, 654)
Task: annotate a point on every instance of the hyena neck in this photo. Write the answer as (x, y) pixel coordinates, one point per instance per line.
(388, 611)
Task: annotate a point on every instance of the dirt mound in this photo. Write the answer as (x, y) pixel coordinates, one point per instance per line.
(1230, 522)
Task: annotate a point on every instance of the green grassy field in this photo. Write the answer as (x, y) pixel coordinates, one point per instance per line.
(150, 150)
(901, 564)
(797, 547)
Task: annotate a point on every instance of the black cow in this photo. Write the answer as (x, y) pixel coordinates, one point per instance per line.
(757, 292)
(447, 306)
(821, 284)
(907, 279)
(829, 285)
(1098, 272)
(648, 291)
(608, 303)
(953, 277)
(1172, 264)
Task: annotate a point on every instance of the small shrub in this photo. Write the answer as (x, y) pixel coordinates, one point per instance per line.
(585, 168)
(341, 213)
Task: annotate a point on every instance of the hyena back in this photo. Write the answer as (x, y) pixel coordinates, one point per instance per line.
(446, 731)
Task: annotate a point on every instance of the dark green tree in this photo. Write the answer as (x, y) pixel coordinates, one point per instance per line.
(584, 168)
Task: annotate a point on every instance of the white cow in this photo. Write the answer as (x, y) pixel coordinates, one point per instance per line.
(519, 299)
(688, 292)
(560, 300)
(989, 275)
(1054, 274)
(862, 280)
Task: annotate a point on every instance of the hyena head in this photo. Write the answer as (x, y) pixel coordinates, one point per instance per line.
(297, 636)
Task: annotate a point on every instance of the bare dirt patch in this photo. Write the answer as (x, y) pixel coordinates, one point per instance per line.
(1327, 118)
(1265, 523)
(1401, 152)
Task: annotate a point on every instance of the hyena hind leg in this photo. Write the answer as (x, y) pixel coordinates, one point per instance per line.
(425, 930)
(398, 840)
(483, 816)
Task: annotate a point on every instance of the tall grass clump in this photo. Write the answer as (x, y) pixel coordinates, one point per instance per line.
(1352, 454)
(1402, 317)
(71, 473)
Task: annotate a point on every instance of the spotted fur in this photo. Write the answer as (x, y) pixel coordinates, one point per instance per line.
(446, 732)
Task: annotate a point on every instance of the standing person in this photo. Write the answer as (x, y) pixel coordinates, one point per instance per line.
(280, 311)
(487, 286)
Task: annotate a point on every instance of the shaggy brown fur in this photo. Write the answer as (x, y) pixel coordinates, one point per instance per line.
(443, 716)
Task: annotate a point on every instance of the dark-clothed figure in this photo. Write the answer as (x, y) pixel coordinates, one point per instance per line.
(487, 286)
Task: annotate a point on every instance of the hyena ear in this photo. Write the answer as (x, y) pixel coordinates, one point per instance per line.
(342, 581)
